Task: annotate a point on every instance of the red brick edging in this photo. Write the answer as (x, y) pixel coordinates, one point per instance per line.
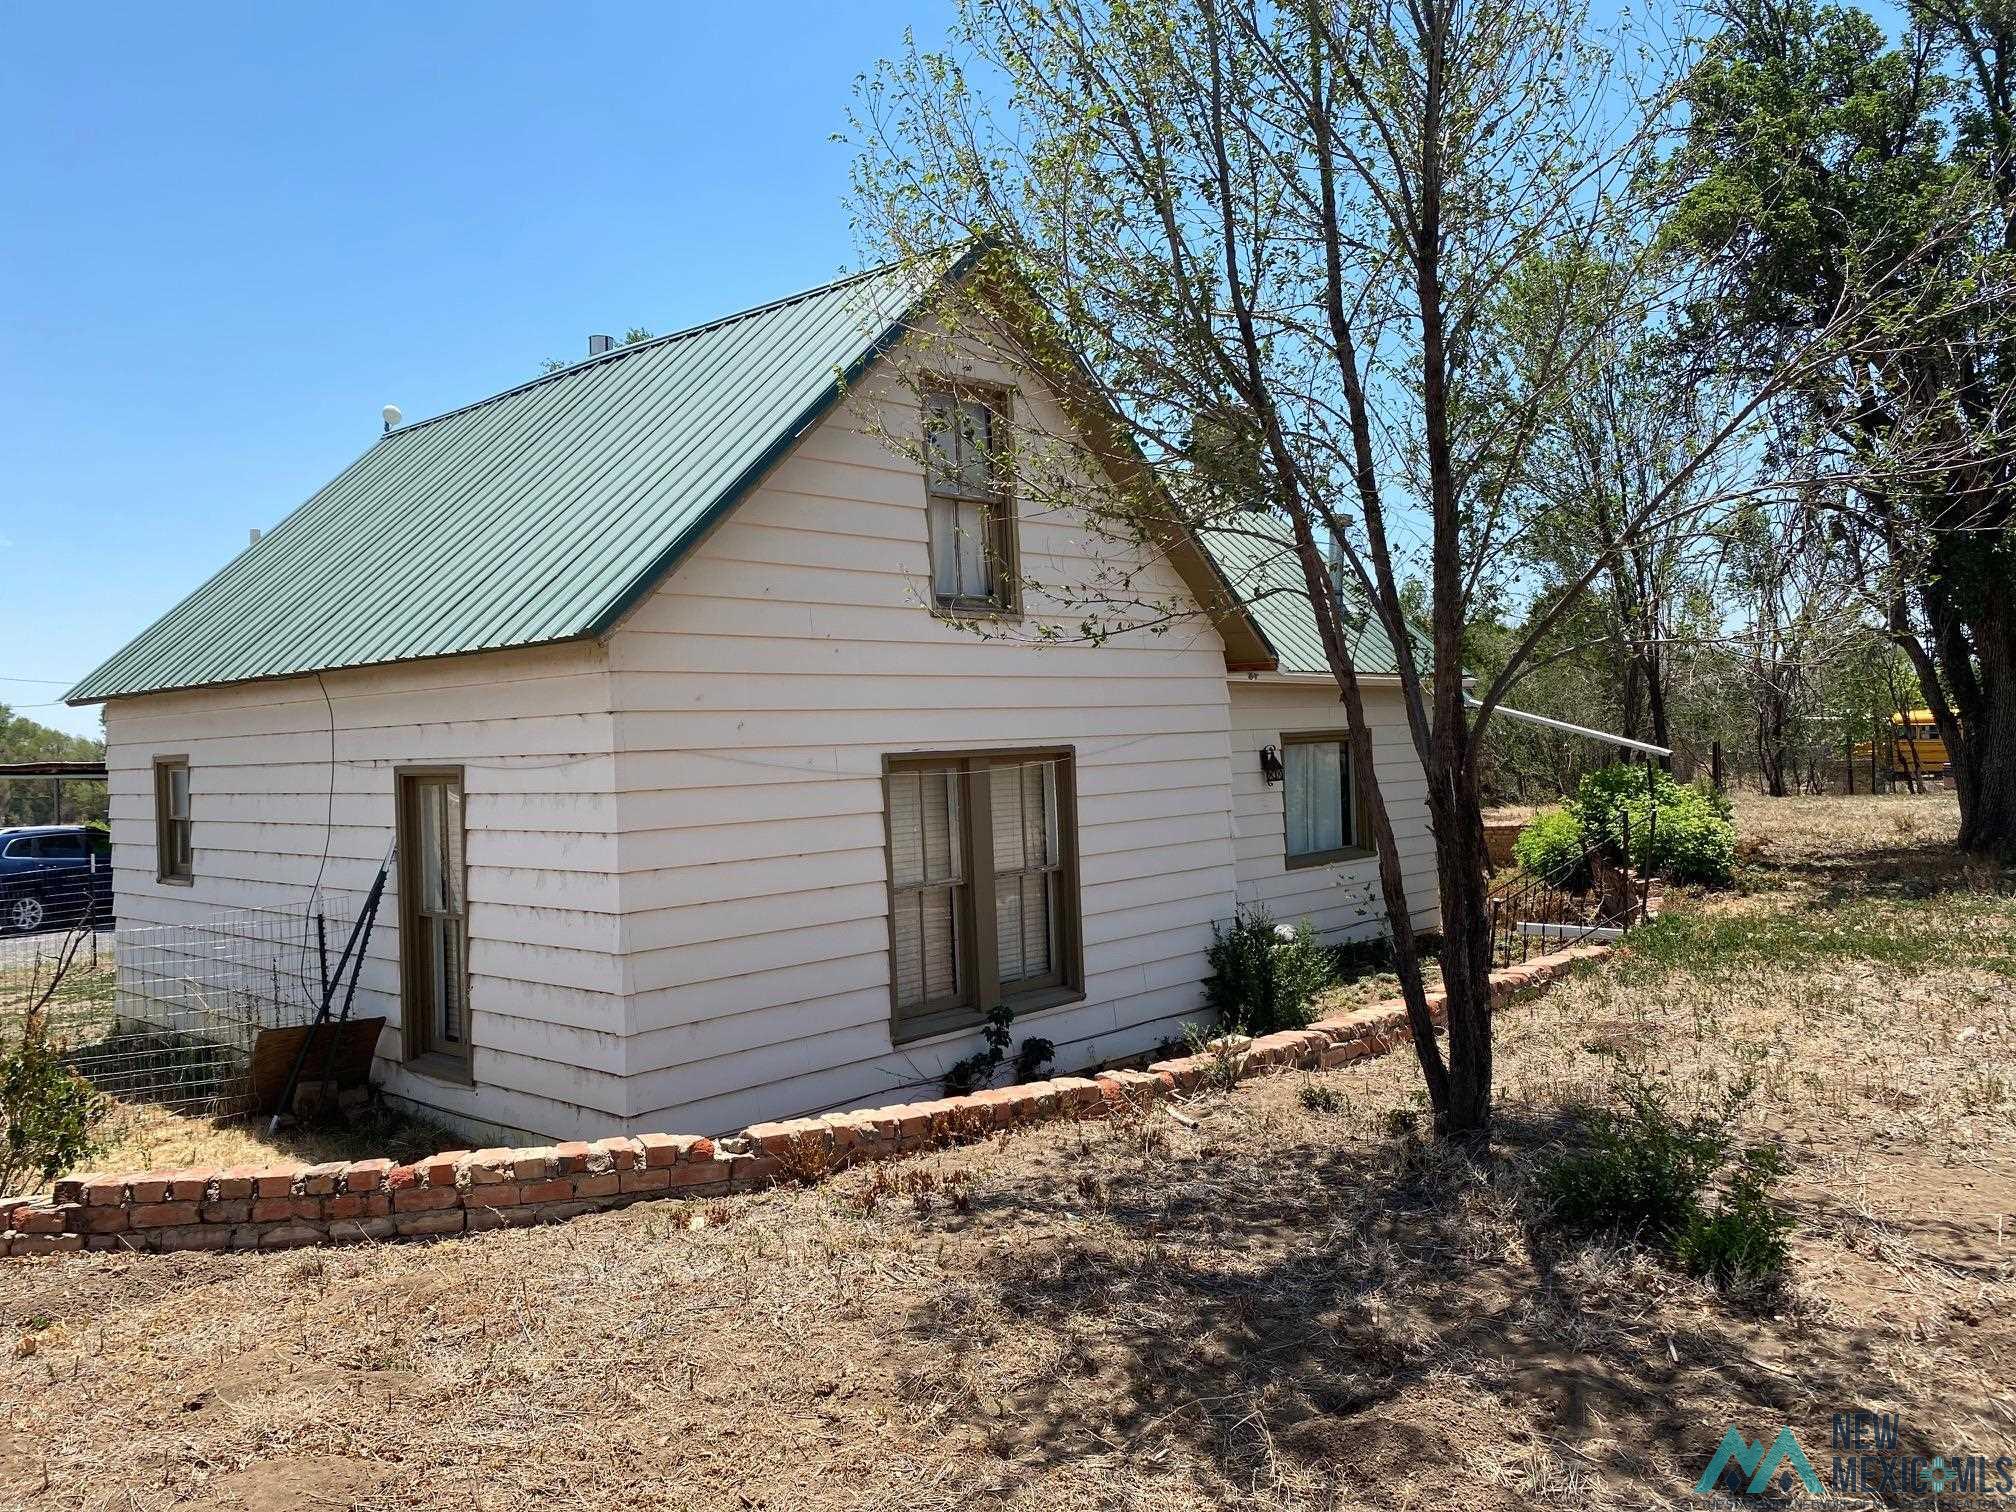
(291, 1204)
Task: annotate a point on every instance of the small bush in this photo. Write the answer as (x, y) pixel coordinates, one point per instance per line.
(977, 1070)
(1694, 839)
(1647, 1170)
(1320, 1097)
(1742, 1245)
(1647, 1176)
(1033, 1057)
(1265, 976)
(48, 1114)
(1550, 844)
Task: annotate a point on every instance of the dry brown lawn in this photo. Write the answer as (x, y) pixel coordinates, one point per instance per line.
(1258, 1305)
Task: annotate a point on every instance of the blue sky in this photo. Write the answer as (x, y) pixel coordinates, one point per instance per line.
(233, 233)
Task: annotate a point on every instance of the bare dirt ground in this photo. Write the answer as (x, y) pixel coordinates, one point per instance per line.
(1279, 1307)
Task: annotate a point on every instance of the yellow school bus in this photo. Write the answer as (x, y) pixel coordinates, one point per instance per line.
(1915, 746)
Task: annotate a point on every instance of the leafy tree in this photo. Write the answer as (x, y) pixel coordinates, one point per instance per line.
(1263, 247)
(1822, 158)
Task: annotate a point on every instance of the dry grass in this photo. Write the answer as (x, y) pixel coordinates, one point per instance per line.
(1280, 1302)
(138, 1136)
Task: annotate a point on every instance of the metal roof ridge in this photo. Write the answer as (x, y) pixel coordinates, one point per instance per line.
(637, 347)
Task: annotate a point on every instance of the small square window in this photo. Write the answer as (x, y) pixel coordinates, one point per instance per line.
(1319, 803)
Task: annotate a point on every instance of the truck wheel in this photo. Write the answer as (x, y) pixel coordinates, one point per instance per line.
(25, 913)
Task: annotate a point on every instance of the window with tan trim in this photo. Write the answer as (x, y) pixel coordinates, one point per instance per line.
(971, 513)
(983, 886)
(1322, 818)
(174, 834)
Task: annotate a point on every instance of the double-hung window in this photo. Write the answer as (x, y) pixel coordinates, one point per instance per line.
(434, 920)
(982, 886)
(1319, 802)
(174, 846)
(972, 517)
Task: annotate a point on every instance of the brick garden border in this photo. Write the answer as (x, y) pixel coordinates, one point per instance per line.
(286, 1205)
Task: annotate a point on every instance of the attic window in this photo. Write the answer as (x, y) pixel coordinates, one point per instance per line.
(972, 516)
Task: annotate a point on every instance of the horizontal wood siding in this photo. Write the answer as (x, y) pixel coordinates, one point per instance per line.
(1341, 901)
(758, 691)
(533, 731)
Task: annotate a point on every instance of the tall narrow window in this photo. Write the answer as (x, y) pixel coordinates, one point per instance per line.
(434, 928)
(174, 845)
(1319, 807)
(983, 891)
(1028, 872)
(928, 888)
(972, 520)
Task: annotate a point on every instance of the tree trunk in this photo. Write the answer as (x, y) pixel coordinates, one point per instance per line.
(1984, 768)
(1976, 658)
(1655, 693)
(1466, 954)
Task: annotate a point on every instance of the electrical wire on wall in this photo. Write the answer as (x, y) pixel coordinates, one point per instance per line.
(328, 837)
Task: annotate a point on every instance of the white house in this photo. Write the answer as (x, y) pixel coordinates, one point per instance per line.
(709, 807)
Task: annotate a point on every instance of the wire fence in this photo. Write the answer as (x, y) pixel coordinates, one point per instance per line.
(168, 1013)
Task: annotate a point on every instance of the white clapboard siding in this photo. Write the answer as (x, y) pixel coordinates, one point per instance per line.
(678, 888)
(1342, 902)
(534, 731)
(758, 691)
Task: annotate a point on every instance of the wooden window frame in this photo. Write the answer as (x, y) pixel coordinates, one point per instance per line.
(168, 867)
(980, 947)
(416, 1024)
(1360, 812)
(1004, 543)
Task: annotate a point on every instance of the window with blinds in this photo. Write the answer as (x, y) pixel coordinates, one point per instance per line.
(971, 519)
(928, 895)
(1319, 806)
(1028, 873)
(982, 885)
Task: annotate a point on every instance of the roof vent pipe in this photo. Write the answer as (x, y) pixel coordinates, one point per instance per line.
(597, 345)
(255, 535)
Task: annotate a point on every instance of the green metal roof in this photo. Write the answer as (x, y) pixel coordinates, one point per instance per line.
(1258, 562)
(538, 515)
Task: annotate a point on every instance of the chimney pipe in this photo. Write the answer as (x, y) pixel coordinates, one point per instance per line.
(597, 345)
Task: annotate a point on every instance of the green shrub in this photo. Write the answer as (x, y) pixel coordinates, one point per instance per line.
(1550, 844)
(1742, 1245)
(1648, 1172)
(1265, 976)
(48, 1114)
(1319, 1097)
(1694, 839)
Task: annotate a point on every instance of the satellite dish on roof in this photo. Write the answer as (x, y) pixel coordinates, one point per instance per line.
(391, 414)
